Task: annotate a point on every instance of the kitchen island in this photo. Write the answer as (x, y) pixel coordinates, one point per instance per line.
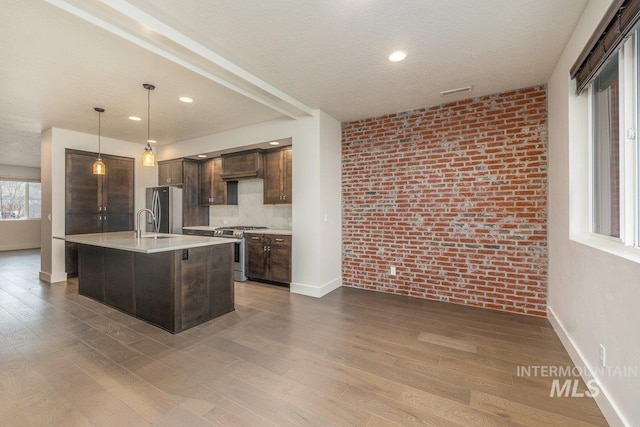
(173, 281)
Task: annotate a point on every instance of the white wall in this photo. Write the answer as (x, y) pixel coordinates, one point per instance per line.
(316, 143)
(330, 186)
(24, 233)
(250, 209)
(19, 172)
(53, 144)
(19, 234)
(593, 295)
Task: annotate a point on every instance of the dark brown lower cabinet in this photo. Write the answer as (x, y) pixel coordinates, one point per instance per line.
(154, 293)
(163, 288)
(102, 266)
(280, 258)
(269, 257)
(121, 271)
(92, 271)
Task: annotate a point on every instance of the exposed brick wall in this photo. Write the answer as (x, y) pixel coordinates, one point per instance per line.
(455, 197)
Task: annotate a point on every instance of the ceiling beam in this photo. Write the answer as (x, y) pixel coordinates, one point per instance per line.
(131, 23)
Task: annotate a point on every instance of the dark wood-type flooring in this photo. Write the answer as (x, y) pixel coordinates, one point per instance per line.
(353, 357)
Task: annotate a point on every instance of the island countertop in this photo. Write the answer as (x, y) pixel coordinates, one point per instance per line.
(149, 243)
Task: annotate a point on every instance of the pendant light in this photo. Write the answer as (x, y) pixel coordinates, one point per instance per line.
(148, 158)
(98, 166)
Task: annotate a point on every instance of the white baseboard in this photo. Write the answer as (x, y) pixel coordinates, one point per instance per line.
(608, 407)
(315, 291)
(20, 246)
(52, 277)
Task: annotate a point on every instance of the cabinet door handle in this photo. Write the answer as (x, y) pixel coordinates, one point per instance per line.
(99, 217)
(104, 209)
(279, 240)
(284, 197)
(255, 238)
(99, 208)
(104, 217)
(264, 249)
(269, 248)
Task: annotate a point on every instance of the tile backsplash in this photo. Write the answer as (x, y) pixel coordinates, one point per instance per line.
(250, 210)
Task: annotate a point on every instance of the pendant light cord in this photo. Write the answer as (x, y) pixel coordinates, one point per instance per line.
(99, 150)
(148, 115)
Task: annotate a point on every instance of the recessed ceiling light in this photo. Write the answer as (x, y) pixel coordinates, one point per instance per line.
(185, 99)
(274, 143)
(397, 56)
(202, 156)
(153, 141)
(135, 118)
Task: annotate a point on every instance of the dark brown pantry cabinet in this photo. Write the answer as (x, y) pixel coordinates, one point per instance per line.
(192, 212)
(185, 173)
(96, 203)
(269, 257)
(213, 189)
(277, 176)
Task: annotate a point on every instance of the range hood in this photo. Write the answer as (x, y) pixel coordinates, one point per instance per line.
(242, 165)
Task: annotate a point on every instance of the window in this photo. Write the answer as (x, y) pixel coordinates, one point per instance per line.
(615, 162)
(19, 199)
(606, 148)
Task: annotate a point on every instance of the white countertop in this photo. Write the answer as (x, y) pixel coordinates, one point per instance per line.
(270, 231)
(126, 241)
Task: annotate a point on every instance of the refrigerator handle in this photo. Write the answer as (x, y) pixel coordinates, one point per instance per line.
(158, 212)
(153, 209)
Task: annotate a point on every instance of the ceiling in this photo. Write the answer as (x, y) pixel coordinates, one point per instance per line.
(250, 61)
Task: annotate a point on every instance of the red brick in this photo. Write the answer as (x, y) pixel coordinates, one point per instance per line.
(455, 197)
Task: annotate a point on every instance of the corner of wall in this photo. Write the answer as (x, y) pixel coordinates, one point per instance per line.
(315, 291)
(52, 277)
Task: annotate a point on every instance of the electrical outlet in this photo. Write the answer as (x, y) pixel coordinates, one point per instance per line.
(392, 270)
(603, 356)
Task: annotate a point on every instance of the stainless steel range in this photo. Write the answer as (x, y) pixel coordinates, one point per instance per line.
(240, 248)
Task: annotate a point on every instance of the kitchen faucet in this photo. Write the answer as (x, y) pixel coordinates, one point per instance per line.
(139, 227)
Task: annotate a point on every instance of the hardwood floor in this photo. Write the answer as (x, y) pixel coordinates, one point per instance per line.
(353, 357)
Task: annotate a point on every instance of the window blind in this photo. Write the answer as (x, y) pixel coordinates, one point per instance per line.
(619, 21)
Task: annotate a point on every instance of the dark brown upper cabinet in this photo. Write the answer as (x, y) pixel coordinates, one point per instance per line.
(277, 176)
(244, 164)
(170, 172)
(213, 189)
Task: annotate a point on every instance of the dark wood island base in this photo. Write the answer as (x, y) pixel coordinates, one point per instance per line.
(174, 290)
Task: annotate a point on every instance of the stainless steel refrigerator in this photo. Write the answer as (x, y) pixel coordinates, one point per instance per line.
(166, 204)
